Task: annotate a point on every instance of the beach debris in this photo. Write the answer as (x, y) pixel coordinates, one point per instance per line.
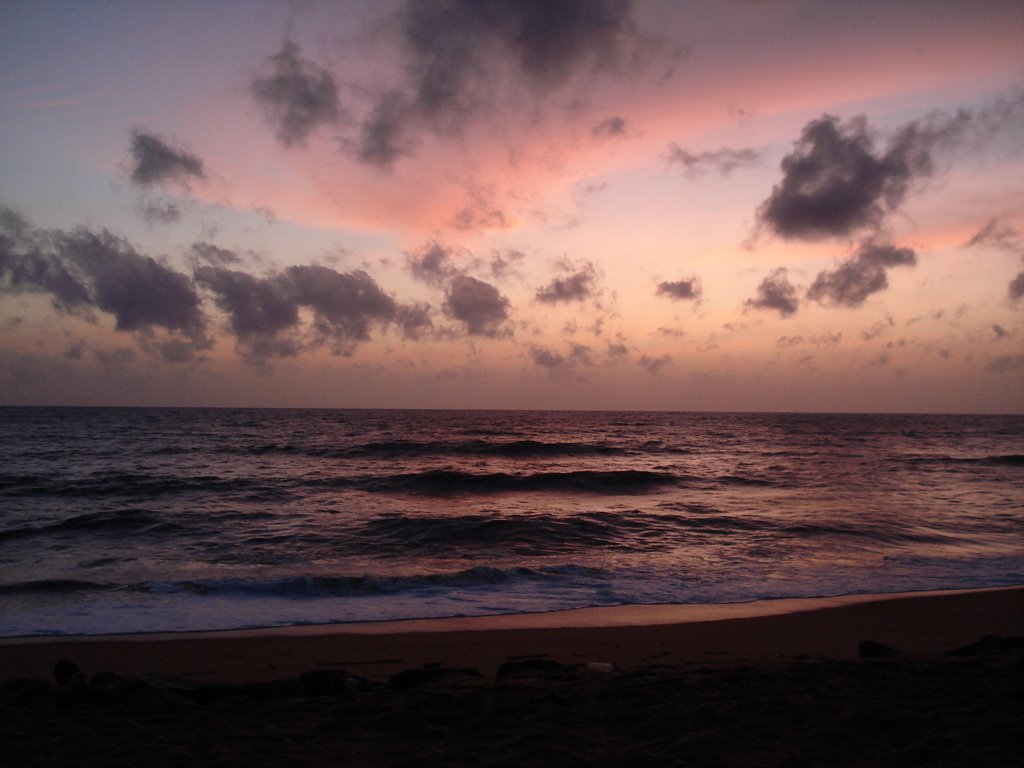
(324, 682)
(990, 645)
(67, 673)
(430, 674)
(535, 667)
(869, 649)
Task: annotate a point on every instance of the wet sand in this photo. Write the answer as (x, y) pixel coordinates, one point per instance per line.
(787, 682)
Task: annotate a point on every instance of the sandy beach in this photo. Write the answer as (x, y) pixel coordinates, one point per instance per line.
(858, 680)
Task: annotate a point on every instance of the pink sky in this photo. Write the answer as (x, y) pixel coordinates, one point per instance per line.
(776, 205)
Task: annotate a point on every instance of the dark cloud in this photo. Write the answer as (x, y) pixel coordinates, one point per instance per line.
(432, 264)
(479, 305)
(155, 161)
(75, 350)
(654, 365)
(996, 233)
(85, 271)
(344, 304)
(479, 212)
(617, 351)
(264, 312)
(721, 161)
(611, 127)
(878, 328)
(575, 286)
(158, 210)
(547, 358)
(457, 50)
(503, 263)
(835, 182)
(208, 253)
(414, 319)
(860, 276)
(1017, 287)
(775, 293)
(1006, 363)
(115, 359)
(384, 137)
(999, 331)
(257, 307)
(688, 289)
(297, 96)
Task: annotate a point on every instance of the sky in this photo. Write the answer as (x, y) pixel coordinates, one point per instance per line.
(770, 205)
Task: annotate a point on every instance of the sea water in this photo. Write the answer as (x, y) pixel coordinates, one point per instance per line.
(144, 520)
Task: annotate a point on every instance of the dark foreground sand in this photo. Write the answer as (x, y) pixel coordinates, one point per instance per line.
(771, 683)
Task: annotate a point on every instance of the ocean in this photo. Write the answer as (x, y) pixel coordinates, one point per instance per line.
(120, 520)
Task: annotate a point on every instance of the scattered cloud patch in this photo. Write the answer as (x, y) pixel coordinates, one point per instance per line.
(687, 289)
(155, 210)
(154, 161)
(85, 271)
(297, 96)
(775, 293)
(858, 277)
(999, 332)
(1006, 363)
(577, 285)
(479, 306)
(457, 52)
(721, 162)
(654, 365)
(997, 234)
(609, 128)
(1016, 289)
(432, 264)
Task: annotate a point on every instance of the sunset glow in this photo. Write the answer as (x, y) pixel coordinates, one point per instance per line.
(732, 206)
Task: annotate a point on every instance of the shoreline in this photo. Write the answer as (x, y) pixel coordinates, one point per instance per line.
(628, 637)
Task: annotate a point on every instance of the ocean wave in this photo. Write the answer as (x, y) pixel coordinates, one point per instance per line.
(127, 522)
(366, 585)
(54, 586)
(392, 449)
(536, 534)
(453, 483)
(1008, 460)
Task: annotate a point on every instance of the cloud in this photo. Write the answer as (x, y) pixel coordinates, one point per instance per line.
(297, 97)
(503, 263)
(476, 304)
(85, 271)
(479, 212)
(1006, 363)
(1016, 290)
(457, 51)
(860, 276)
(775, 293)
(578, 285)
(611, 127)
(208, 253)
(688, 289)
(720, 161)
(154, 161)
(264, 312)
(547, 358)
(432, 264)
(996, 233)
(999, 331)
(158, 211)
(878, 328)
(654, 365)
(835, 182)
